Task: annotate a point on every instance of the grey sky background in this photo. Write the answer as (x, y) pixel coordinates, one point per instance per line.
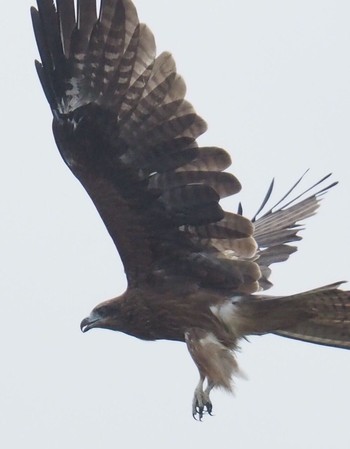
(272, 80)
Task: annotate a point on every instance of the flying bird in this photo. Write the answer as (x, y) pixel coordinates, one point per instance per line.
(195, 272)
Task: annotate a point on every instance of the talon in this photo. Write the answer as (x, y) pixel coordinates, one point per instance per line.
(197, 410)
(201, 403)
(209, 407)
(200, 410)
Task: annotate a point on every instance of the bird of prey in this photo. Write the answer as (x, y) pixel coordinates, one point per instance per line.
(195, 272)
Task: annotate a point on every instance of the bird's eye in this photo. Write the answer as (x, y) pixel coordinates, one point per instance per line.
(102, 311)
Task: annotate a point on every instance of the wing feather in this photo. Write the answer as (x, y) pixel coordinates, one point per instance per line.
(66, 16)
(86, 17)
(208, 159)
(279, 226)
(125, 129)
(224, 184)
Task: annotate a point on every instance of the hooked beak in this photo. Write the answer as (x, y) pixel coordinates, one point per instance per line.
(88, 323)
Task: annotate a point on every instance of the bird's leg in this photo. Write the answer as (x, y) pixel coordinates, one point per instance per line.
(206, 352)
(198, 403)
(201, 402)
(207, 391)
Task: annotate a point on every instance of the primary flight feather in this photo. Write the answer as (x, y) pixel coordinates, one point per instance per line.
(125, 130)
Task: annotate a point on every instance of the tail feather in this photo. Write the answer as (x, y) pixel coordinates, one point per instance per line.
(320, 316)
(330, 321)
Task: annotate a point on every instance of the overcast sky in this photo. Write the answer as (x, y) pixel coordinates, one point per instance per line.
(272, 80)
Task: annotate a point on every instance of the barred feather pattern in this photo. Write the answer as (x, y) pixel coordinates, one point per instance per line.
(124, 128)
(329, 324)
(109, 61)
(101, 71)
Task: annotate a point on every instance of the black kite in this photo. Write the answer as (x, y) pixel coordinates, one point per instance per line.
(123, 127)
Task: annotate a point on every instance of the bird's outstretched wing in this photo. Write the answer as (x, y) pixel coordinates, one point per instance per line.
(125, 130)
(281, 223)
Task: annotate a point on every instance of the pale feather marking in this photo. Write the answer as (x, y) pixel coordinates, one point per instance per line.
(227, 313)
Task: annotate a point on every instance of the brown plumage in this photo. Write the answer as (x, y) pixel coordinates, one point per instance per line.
(124, 128)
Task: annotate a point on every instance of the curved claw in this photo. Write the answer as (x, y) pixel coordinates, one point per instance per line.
(198, 411)
(199, 408)
(209, 407)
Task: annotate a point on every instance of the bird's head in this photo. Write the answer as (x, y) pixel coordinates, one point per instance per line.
(106, 316)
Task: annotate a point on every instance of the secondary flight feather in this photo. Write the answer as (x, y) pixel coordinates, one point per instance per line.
(124, 128)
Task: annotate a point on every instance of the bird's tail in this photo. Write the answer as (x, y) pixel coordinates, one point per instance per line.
(320, 316)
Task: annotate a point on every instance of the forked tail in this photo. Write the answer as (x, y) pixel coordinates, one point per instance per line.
(329, 322)
(320, 316)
